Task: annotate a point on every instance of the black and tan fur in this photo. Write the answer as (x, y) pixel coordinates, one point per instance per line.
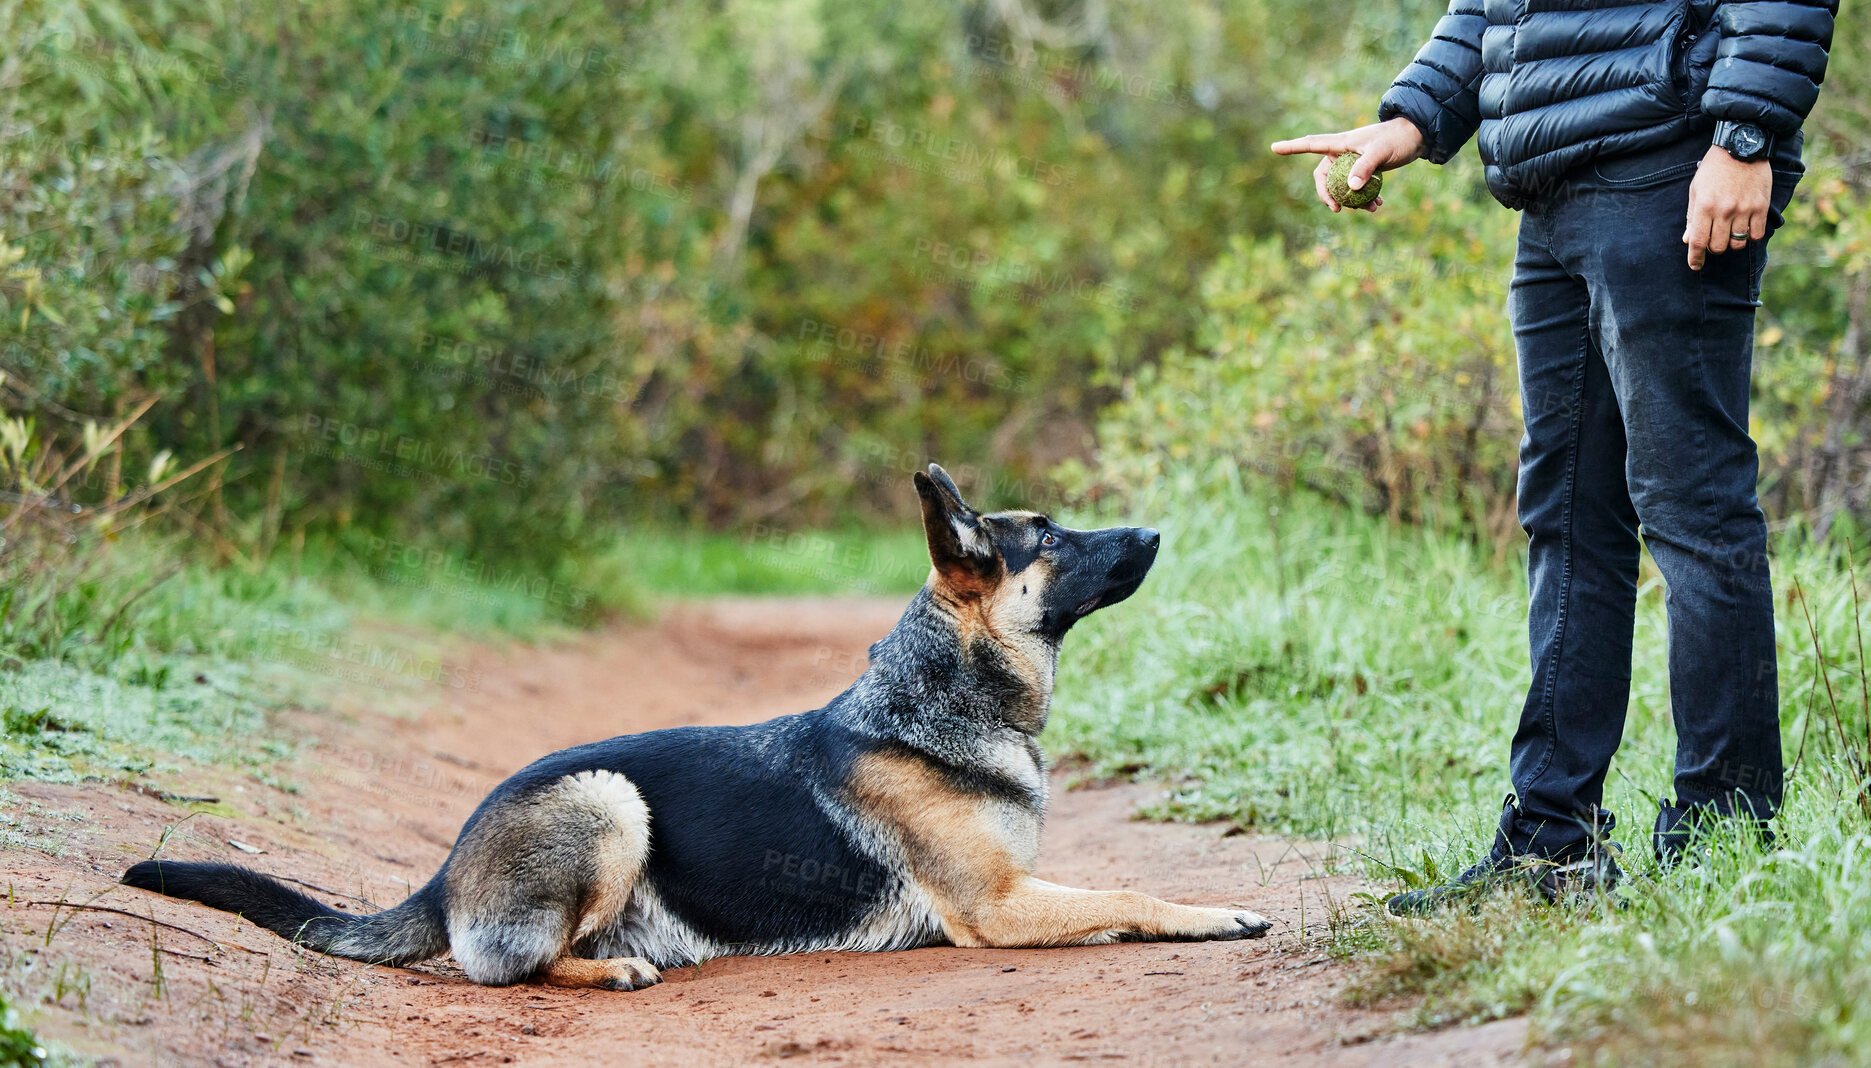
(904, 813)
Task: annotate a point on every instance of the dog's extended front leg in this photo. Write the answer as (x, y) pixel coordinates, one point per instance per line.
(1038, 913)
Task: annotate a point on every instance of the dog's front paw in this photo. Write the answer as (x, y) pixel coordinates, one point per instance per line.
(1223, 925)
(1252, 925)
(628, 973)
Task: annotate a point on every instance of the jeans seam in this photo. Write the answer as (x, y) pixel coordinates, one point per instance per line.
(1713, 537)
(1554, 655)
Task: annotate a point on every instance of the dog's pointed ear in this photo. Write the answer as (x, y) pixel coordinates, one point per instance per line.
(949, 489)
(957, 545)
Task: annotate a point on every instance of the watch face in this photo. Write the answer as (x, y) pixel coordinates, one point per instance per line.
(1746, 141)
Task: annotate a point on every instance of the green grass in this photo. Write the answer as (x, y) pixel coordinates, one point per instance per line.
(1292, 667)
(1318, 673)
(18, 1047)
(119, 655)
(778, 562)
(123, 655)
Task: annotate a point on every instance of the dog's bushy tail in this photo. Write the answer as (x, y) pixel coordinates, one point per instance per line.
(409, 932)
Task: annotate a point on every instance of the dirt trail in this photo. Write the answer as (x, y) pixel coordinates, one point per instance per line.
(382, 797)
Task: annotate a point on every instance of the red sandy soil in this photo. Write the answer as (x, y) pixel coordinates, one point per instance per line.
(381, 795)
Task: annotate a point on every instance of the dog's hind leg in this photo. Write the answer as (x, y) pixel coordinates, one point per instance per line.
(618, 973)
(539, 872)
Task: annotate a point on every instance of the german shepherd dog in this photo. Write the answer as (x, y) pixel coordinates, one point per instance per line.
(904, 813)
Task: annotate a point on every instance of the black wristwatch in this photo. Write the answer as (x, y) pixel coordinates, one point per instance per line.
(1744, 140)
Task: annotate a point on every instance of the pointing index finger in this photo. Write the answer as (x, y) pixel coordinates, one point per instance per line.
(1320, 143)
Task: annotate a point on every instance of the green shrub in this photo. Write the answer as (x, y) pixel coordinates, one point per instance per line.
(498, 280)
(1369, 359)
(1373, 365)
(18, 1047)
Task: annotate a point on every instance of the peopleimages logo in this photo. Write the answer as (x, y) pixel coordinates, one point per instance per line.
(1047, 72)
(969, 265)
(450, 34)
(392, 557)
(557, 165)
(427, 239)
(965, 155)
(290, 643)
(400, 454)
(914, 362)
(68, 48)
(475, 361)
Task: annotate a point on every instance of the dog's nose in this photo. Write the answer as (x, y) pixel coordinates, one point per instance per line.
(1150, 538)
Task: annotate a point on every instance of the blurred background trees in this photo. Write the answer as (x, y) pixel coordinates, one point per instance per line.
(505, 277)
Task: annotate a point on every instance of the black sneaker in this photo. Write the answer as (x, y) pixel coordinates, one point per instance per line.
(1554, 880)
(1683, 831)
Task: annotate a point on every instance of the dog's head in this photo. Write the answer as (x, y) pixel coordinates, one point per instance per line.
(1020, 573)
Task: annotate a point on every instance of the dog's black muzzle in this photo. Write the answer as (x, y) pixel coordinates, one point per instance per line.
(1127, 554)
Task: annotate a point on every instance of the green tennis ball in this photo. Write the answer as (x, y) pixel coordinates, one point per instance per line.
(1343, 193)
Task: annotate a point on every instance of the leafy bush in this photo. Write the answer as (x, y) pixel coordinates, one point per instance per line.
(1373, 365)
(498, 279)
(1369, 359)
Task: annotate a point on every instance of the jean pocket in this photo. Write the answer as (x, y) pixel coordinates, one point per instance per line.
(1613, 176)
(1784, 184)
(1757, 266)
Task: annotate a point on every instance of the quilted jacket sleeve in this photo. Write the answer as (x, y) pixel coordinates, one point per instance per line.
(1770, 63)
(1437, 91)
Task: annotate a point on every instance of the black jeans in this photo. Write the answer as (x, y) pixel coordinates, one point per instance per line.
(1634, 381)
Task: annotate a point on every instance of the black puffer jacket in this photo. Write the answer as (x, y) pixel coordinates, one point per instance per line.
(1554, 83)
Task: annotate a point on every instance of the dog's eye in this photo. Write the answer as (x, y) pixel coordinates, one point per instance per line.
(1049, 538)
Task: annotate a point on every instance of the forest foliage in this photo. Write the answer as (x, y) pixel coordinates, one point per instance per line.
(505, 277)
